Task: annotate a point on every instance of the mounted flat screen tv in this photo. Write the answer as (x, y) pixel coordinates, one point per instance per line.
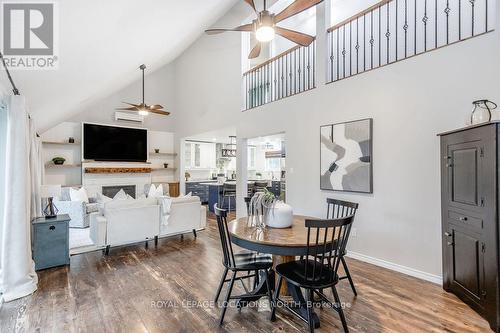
(112, 143)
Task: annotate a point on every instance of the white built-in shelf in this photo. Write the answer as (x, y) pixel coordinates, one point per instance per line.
(63, 166)
(61, 143)
(165, 169)
(163, 154)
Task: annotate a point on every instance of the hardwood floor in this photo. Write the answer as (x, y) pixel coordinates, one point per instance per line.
(135, 289)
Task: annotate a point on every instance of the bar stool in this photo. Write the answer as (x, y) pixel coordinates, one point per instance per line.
(228, 191)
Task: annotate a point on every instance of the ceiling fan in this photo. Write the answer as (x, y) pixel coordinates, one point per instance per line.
(265, 29)
(143, 109)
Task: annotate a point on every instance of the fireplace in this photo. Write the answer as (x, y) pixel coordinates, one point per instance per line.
(110, 191)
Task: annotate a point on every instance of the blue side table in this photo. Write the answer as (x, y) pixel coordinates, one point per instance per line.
(50, 241)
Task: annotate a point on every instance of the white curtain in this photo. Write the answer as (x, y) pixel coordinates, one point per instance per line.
(22, 179)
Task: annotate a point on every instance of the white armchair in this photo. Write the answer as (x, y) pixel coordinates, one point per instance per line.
(78, 211)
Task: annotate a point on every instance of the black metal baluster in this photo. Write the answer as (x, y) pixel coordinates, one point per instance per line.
(447, 11)
(397, 14)
(357, 46)
(287, 84)
(486, 15)
(473, 3)
(291, 75)
(388, 33)
(343, 51)
(372, 40)
(308, 68)
(379, 36)
(338, 55)
(364, 42)
(283, 77)
(425, 19)
(350, 48)
(331, 57)
(295, 71)
(299, 70)
(405, 28)
(314, 63)
(459, 19)
(304, 67)
(436, 24)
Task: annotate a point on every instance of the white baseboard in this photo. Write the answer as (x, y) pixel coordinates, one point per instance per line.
(395, 267)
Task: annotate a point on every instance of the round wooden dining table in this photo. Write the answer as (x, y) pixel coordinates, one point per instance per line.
(284, 244)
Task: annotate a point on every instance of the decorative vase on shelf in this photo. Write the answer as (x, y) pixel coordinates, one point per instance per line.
(482, 111)
(280, 215)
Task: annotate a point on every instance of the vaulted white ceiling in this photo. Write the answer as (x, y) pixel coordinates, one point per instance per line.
(101, 45)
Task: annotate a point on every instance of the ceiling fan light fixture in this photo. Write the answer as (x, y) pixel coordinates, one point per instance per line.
(265, 34)
(143, 112)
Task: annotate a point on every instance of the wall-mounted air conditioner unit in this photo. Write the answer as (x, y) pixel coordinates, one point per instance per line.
(129, 116)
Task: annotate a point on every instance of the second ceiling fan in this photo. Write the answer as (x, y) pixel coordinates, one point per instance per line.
(265, 29)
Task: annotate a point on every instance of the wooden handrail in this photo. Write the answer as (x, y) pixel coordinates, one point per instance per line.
(358, 15)
(270, 60)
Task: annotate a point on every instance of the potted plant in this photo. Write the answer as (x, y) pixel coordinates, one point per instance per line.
(58, 160)
(187, 175)
(258, 175)
(270, 211)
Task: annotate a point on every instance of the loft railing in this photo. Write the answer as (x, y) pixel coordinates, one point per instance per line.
(284, 75)
(394, 30)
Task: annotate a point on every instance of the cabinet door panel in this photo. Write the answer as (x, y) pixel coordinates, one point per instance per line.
(464, 170)
(467, 263)
(464, 176)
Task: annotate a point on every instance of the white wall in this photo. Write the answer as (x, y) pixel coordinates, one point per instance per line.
(410, 102)
(159, 90)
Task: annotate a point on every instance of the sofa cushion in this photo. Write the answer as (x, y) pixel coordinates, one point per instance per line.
(165, 186)
(134, 203)
(120, 195)
(185, 199)
(92, 208)
(78, 195)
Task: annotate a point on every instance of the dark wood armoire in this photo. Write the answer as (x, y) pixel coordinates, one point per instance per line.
(470, 176)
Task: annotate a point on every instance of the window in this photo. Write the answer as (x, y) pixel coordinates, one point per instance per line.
(273, 164)
(197, 155)
(251, 158)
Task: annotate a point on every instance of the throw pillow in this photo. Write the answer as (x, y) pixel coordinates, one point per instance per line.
(78, 195)
(121, 195)
(155, 192)
(101, 198)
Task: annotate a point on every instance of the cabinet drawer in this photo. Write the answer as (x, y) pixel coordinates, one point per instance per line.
(50, 245)
(464, 219)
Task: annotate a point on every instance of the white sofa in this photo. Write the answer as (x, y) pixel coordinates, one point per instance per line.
(131, 221)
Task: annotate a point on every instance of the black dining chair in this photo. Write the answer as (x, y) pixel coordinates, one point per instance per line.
(336, 209)
(312, 273)
(239, 262)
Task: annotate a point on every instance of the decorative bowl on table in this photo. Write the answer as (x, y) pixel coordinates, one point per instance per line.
(58, 160)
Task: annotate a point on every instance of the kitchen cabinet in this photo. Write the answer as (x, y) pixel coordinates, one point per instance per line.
(199, 189)
(469, 206)
(200, 155)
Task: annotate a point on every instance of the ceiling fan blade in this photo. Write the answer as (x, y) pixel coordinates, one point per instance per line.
(255, 51)
(295, 36)
(252, 4)
(128, 109)
(160, 112)
(245, 27)
(294, 8)
(135, 105)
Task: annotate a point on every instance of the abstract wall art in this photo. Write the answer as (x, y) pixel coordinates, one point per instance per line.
(346, 156)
